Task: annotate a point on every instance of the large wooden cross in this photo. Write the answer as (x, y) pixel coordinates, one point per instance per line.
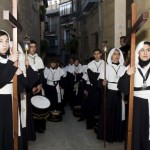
(136, 25)
(12, 18)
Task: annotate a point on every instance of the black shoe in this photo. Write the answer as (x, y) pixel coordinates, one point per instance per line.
(39, 130)
(81, 119)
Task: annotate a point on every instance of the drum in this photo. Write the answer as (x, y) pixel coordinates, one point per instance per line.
(77, 111)
(40, 107)
(55, 116)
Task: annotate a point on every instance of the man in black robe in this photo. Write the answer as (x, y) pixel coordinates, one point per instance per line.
(36, 63)
(95, 68)
(124, 46)
(70, 80)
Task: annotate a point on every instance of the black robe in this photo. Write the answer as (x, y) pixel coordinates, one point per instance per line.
(70, 80)
(54, 82)
(6, 120)
(94, 98)
(77, 94)
(36, 77)
(23, 84)
(114, 127)
(140, 132)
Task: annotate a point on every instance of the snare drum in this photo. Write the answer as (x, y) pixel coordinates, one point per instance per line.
(77, 111)
(40, 106)
(55, 116)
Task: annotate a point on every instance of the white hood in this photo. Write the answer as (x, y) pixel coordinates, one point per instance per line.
(121, 60)
(7, 35)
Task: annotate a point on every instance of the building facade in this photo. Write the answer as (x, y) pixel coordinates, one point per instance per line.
(28, 16)
(85, 24)
(53, 28)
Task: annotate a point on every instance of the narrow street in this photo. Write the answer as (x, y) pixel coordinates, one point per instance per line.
(70, 135)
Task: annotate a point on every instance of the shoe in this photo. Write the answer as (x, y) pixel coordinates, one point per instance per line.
(39, 130)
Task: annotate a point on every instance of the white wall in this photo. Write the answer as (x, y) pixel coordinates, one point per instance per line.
(120, 21)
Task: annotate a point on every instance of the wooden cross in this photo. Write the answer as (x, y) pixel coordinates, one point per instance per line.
(12, 18)
(136, 25)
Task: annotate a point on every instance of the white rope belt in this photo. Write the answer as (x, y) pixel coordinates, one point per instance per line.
(7, 89)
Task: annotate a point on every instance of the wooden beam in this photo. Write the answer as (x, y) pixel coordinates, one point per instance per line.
(15, 81)
(8, 16)
(131, 96)
(139, 23)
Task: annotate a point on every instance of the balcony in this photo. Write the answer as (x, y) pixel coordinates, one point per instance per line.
(66, 19)
(87, 4)
(52, 11)
(52, 30)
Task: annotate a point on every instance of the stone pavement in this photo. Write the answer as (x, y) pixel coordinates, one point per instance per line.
(70, 135)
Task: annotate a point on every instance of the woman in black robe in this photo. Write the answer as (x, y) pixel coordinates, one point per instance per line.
(115, 115)
(141, 107)
(8, 70)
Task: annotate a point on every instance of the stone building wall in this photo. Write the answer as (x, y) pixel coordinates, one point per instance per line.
(114, 21)
(92, 29)
(108, 22)
(5, 5)
(144, 32)
(28, 16)
(88, 27)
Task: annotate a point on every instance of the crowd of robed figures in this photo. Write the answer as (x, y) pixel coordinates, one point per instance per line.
(76, 84)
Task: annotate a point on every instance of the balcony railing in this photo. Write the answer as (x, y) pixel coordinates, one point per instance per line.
(66, 19)
(52, 9)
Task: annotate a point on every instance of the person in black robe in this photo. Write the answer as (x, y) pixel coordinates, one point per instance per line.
(36, 63)
(124, 46)
(70, 80)
(26, 79)
(54, 76)
(95, 68)
(77, 90)
(115, 106)
(83, 91)
(8, 70)
(141, 106)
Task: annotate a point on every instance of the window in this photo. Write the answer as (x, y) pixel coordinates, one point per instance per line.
(66, 9)
(66, 36)
(53, 41)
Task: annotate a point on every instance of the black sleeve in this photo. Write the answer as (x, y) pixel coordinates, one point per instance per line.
(7, 71)
(124, 84)
(62, 82)
(93, 77)
(79, 76)
(100, 83)
(22, 83)
(32, 77)
(70, 77)
(41, 74)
